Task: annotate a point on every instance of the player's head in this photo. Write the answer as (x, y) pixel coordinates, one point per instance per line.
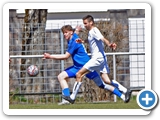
(88, 22)
(67, 31)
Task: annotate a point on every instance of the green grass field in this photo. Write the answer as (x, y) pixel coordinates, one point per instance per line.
(100, 105)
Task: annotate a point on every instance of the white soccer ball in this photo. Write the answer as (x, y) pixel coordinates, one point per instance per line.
(33, 70)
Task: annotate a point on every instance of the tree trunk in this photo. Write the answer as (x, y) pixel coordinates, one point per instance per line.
(33, 44)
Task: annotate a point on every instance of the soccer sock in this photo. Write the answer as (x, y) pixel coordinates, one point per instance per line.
(117, 92)
(99, 82)
(118, 86)
(63, 100)
(123, 97)
(66, 92)
(76, 87)
(107, 87)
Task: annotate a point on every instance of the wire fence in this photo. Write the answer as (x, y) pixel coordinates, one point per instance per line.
(46, 88)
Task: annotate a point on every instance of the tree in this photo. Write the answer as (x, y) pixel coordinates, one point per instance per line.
(33, 44)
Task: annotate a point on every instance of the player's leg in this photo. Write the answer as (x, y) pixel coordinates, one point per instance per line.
(63, 78)
(99, 82)
(89, 66)
(116, 91)
(114, 83)
(72, 71)
(118, 86)
(77, 85)
(80, 74)
(75, 89)
(121, 88)
(105, 69)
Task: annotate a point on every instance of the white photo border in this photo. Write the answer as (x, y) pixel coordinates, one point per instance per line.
(73, 6)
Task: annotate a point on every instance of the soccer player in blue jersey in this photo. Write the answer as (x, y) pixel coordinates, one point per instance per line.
(80, 58)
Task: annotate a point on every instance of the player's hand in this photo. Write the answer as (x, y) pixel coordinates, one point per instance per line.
(79, 40)
(46, 56)
(113, 46)
(78, 28)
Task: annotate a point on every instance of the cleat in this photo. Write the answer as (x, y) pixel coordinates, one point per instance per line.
(64, 103)
(128, 96)
(68, 99)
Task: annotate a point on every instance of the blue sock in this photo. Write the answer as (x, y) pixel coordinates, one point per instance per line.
(114, 84)
(117, 92)
(66, 92)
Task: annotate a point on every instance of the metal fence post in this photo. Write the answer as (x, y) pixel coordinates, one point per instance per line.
(114, 73)
(62, 52)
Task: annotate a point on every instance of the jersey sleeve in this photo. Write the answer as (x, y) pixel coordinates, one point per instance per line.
(97, 34)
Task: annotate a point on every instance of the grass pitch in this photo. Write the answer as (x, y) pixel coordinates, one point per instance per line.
(99, 105)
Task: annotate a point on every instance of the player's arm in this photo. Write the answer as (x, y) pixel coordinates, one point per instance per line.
(97, 34)
(56, 57)
(78, 29)
(111, 45)
(79, 40)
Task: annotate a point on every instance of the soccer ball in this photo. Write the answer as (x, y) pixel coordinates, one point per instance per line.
(33, 70)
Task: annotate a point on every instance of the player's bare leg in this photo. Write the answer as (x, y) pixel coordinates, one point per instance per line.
(77, 85)
(63, 78)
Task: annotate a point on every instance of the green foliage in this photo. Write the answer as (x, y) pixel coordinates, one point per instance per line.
(12, 96)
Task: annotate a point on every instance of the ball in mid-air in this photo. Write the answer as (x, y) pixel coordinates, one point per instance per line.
(33, 70)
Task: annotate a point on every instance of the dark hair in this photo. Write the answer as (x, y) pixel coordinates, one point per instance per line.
(67, 27)
(89, 18)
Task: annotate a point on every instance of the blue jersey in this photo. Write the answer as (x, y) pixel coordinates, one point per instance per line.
(77, 51)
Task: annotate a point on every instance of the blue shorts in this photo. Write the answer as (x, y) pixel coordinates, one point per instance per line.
(71, 71)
